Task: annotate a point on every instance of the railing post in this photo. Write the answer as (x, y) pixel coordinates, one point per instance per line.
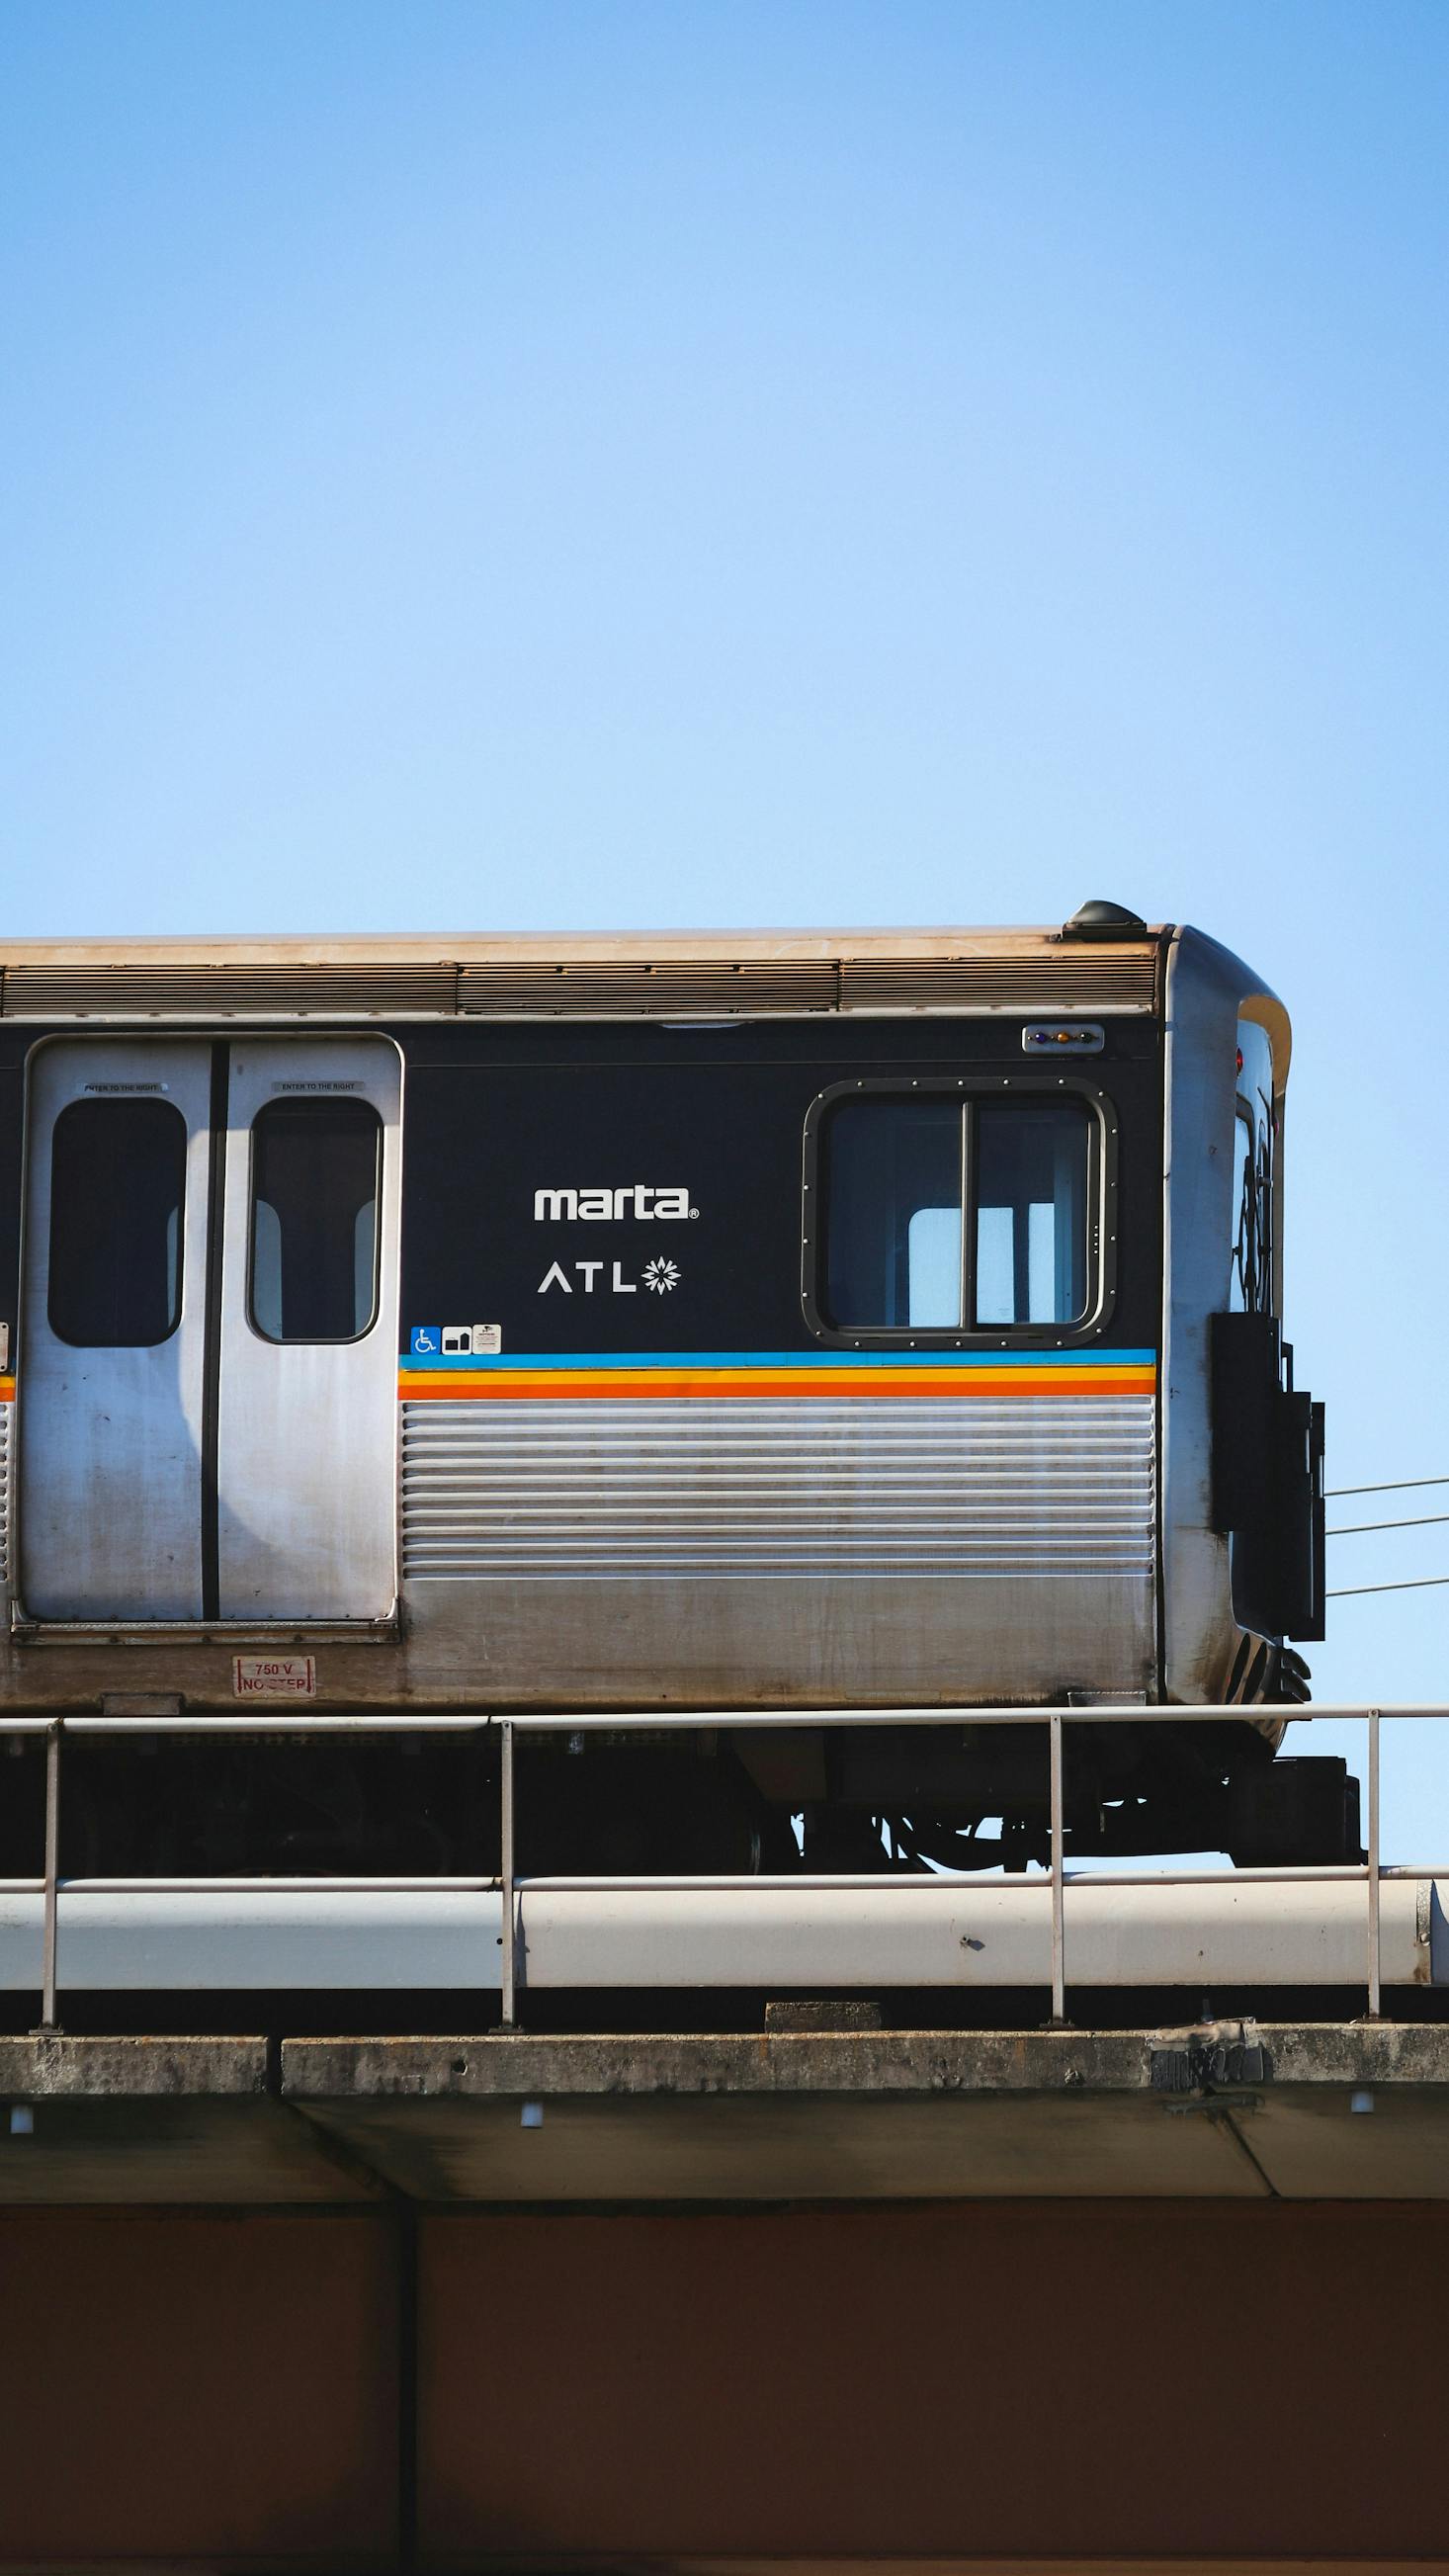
(508, 1969)
(1059, 1961)
(50, 1937)
(1375, 1989)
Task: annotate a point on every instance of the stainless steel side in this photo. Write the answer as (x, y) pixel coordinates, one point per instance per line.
(307, 1445)
(1208, 990)
(109, 1485)
(974, 1547)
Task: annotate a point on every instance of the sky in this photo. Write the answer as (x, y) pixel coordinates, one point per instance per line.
(616, 463)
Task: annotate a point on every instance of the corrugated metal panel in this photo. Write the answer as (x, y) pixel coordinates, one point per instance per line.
(1034, 1486)
(1056, 979)
(224, 992)
(672, 986)
(1053, 976)
(7, 1416)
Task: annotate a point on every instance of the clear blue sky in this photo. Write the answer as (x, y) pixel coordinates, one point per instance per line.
(595, 465)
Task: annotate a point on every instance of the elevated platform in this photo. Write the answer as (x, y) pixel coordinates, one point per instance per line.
(1303, 2111)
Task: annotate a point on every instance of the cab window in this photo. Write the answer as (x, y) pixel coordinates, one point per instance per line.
(948, 1214)
(1250, 1273)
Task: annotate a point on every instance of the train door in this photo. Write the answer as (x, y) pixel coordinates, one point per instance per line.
(208, 1353)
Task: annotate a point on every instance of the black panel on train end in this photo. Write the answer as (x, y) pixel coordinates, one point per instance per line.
(495, 1113)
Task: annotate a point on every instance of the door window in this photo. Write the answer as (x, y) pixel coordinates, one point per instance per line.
(117, 1187)
(313, 1262)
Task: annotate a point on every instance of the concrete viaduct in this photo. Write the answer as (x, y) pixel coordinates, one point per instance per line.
(810, 2299)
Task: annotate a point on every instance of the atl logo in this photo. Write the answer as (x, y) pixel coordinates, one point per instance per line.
(661, 1277)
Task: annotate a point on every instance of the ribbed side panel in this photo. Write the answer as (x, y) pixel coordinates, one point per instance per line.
(1057, 979)
(711, 987)
(1054, 979)
(7, 1417)
(1064, 976)
(225, 992)
(1038, 1486)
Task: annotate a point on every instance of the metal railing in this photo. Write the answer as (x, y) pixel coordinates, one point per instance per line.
(1371, 1871)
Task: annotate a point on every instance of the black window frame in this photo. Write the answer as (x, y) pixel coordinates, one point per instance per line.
(1101, 1214)
(314, 1341)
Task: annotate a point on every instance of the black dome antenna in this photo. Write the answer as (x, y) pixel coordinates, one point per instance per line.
(1099, 920)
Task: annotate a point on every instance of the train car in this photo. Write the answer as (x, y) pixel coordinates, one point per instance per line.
(742, 1322)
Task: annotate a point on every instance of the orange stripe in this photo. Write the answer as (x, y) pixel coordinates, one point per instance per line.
(7, 1390)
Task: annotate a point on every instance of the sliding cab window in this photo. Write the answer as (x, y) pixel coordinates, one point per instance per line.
(117, 1192)
(1250, 1276)
(946, 1214)
(316, 1167)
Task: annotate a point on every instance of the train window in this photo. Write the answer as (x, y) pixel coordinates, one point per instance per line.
(897, 1171)
(117, 1189)
(315, 1167)
(1243, 1277)
(894, 1184)
(1250, 1279)
(1032, 1171)
(1250, 1276)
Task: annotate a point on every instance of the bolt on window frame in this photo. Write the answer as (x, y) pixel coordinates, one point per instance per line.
(1101, 1213)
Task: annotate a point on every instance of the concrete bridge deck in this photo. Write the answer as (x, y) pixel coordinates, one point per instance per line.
(1234, 2110)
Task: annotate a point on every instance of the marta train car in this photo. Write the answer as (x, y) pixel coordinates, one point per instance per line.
(741, 1322)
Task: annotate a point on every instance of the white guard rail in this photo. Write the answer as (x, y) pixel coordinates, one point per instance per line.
(1304, 1926)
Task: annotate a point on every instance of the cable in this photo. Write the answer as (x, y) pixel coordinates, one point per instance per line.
(1424, 1583)
(1404, 1485)
(1357, 1529)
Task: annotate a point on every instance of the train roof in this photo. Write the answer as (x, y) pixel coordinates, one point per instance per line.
(1102, 960)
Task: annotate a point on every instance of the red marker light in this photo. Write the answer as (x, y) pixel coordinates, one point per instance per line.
(1240, 1059)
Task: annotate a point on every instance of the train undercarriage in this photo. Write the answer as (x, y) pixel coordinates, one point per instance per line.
(767, 1802)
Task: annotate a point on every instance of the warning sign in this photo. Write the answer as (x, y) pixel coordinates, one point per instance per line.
(274, 1676)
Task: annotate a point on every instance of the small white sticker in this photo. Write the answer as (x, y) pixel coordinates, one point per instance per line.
(274, 1676)
(468, 1341)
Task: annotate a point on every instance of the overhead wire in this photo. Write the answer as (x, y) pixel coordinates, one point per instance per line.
(1420, 1583)
(1365, 1529)
(1358, 1529)
(1402, 1485)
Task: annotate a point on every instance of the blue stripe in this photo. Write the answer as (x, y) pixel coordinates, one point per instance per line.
(783, 1359)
